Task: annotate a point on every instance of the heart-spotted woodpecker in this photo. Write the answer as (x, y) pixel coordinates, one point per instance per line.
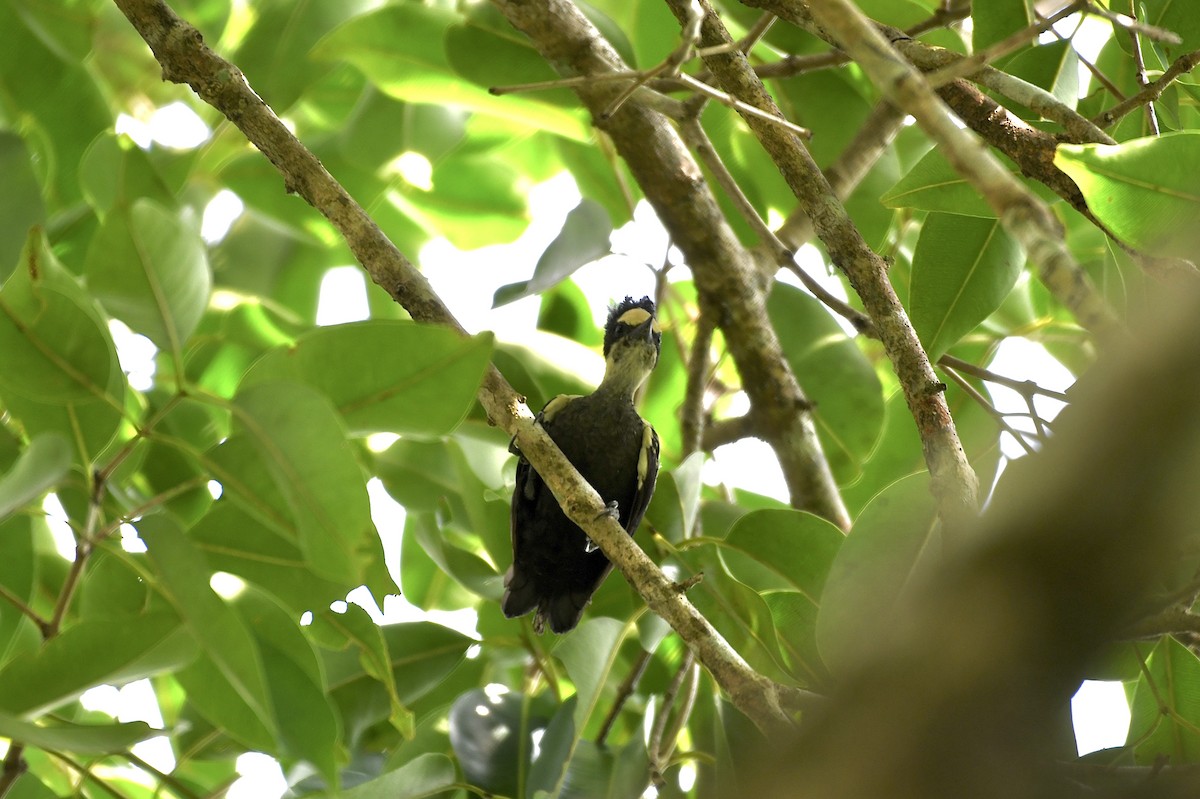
(556, 569)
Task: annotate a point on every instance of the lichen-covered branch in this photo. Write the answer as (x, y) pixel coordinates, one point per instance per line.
(953, 480)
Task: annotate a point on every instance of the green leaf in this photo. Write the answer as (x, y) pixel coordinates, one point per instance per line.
(400, 49)
(996, 20)
(835, 375)
(184, 577)
(356, 628)
(92, 652)
(53, 346)
(793, 551)
(583, 239)
(21, 202)
(1177, 17)
(427, 775)
(963, 268)
(19, 575)
(892, 544)
(77, 738)
(385, 376)
(589, 654)
(40, 467)
(420, 656)
(303, 446)
(233, 541)
(1142, 190)
(150, 270)
(1165, 711)
(308, 726)
(782, 549)
(1053, 66)
(933, 185)
(275, 54)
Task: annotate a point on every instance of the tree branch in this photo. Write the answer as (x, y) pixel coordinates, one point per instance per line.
(1023, 215)
(953, 480)
(185, 58)
(723, 269)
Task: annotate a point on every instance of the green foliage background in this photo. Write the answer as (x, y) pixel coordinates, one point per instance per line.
(250, 394)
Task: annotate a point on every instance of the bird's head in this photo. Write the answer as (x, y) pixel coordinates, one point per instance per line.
(632, 340)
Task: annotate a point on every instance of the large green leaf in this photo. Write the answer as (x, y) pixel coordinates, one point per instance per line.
(1165, 711)
(892, 544)
(933, 185)
(400, 48)
(184, 577)
(996, 20)
(40, 467)
(391, 376)
(112, 650)
(78, 738)
(419, 656)
(275, 51)
(53, 345)
(20, 203)
(234, 541)
(963, 268)
(150, 269)
(1143, 190)
(589, 654)
(836, 376)
(303, 446)
(427, 775)
(309, 728)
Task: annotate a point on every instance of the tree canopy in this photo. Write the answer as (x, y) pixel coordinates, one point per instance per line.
(864, 201)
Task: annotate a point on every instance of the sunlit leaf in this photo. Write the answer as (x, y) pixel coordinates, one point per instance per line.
(963, 269)
(1142, 190)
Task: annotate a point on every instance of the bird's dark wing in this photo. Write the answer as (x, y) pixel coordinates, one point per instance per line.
(647, 477)
(522, 589)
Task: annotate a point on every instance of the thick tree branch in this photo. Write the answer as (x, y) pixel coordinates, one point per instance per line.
(1023, 215)
(724, 271)
(185, 58)
(953, 480)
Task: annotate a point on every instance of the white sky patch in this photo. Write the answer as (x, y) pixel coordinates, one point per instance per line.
(415, 169)
(1100, 713)
(260, 777)
(60, 531)
(343, 297)
(226, 585)
(219, 215)
(1022, 359)
(135, 353)
(177, 126)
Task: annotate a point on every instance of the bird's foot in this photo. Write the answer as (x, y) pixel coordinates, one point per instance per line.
(609, 510)
(683, 586)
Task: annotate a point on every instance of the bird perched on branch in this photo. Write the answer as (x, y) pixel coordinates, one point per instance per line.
(556, 569)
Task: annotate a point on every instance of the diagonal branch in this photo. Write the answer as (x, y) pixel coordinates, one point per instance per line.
(184, 57)
(725, 273)
(953, 480)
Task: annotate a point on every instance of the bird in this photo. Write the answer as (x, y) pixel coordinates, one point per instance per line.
(556, 569)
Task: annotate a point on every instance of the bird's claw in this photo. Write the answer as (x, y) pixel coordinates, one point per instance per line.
(610, 509)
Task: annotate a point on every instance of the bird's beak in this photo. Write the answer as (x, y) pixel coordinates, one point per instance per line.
(645, 331)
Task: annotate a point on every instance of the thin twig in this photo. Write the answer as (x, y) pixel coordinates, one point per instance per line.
(968, 65)
(656, 742)
(1023, 387)
(1139, 63)
(989, 408)
(624, 691)
(1152, 91)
